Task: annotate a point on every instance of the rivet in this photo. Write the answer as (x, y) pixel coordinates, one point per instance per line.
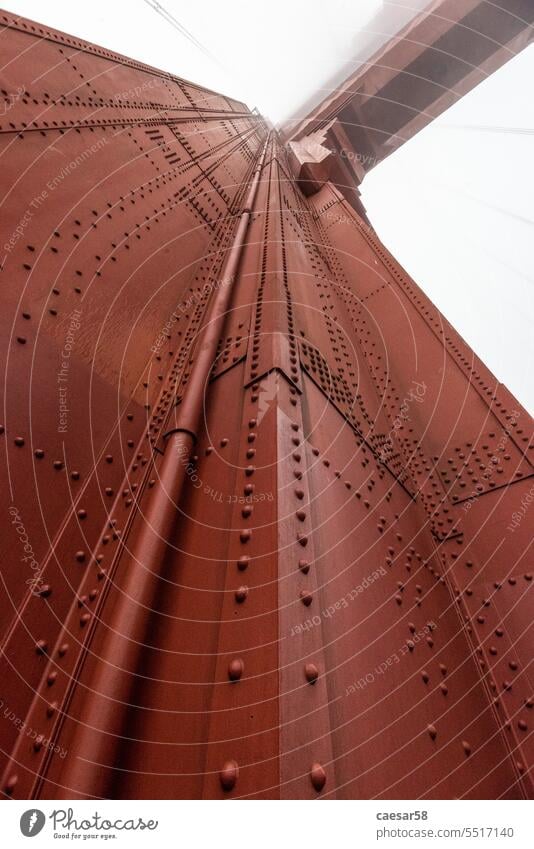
(41, 647)
(304, 566)
(240, 594)
(11, 784)
(466, 747)
(432, 731)
(311, 672)
(19, 440)
(228, 775)
(318, 777)
(245, 535)
(80, 556)
(302, 539)
(38, 743)
(243, 563)
(235, 669)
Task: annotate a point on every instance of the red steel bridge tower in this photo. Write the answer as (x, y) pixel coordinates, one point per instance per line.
(265, 527)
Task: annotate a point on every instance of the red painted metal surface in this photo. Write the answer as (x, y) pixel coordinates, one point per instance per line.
(446, 49)
(265, 515)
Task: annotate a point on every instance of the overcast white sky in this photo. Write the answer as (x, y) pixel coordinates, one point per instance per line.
(455, 204)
